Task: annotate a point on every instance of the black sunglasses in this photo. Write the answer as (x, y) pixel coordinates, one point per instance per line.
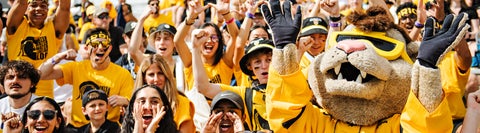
(103, 16)
(47, 114)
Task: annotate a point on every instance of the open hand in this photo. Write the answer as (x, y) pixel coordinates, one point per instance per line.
(158, 113)
(285, 29)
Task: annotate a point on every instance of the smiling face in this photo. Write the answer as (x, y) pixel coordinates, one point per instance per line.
(211, 46)
(42, 124)
(226, 125)
(95, 109)
(164, 43)
(147, 99)
(17, 85)
(155, 76)
(259, 64)
(318, 44)
(37, 12)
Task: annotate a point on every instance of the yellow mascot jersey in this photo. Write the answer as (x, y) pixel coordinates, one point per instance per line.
(290, 96)
(258, 106)
(184, 112)
(304, 64)
(219, 73)
(34, 46)
(114, 80)
(453, 83)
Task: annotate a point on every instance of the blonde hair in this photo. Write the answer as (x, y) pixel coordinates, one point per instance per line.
(170, 87)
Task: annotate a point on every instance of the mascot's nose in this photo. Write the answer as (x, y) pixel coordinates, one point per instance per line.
(350, 46)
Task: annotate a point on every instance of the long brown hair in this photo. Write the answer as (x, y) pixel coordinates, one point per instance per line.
(170, 87)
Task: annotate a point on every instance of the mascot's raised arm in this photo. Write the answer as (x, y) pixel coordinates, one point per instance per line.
(372, 78)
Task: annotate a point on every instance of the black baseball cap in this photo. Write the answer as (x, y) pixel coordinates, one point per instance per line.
(314, 25)
(254, 46)
(164, 27)
(93, 95)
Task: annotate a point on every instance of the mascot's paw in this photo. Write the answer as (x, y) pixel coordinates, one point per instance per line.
(285, 60)
(435, 46)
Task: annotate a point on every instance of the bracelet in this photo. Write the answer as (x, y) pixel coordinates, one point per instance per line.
(53, 61)
(335, 19)
(230, 21)
(249, 15)
(335, 24)
(226, 13)
(187, 23)
(418, 24)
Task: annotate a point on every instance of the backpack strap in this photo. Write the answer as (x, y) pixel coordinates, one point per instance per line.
(249, 102)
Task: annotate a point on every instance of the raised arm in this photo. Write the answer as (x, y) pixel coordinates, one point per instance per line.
(136, 40)
(200, 79)
(15, 15)
(49, 69)
(223, 9)
(61, 20)
(421, 18)
(194, 9)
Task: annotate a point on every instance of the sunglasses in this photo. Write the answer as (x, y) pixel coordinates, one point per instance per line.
(384, 46)
(103, 16)
(411, 16)
(95, 44)
(47, 114)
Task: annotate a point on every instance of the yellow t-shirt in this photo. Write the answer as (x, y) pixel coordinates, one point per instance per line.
(152, 22)
(289, 97)
(258, 106)
(453, 83)
(185, 111)
(34, 46)
(242, 79)
(219, 73)
(114, 80)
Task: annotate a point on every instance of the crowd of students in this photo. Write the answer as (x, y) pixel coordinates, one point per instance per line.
(181, 66)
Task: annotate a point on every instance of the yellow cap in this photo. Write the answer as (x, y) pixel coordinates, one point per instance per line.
(90, 10)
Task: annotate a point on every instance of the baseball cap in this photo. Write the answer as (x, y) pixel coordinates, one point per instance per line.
(99, 11)
(164, 27)
(90, 10)
(93, 95)
(129, 27)
(254, 46)
(229, 96)
(314, 25)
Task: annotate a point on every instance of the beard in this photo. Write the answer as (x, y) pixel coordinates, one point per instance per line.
(17, 96)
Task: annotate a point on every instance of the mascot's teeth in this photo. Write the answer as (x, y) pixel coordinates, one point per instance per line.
(340, 76)
(364, 74)
(359, 79)
(337, 69)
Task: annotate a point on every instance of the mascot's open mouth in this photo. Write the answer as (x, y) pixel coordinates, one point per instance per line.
(350, 73)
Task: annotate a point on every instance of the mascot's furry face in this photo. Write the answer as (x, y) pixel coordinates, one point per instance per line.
(368, 85)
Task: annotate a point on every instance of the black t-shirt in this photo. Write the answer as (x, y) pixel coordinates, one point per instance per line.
(107, 127)
(117, 40)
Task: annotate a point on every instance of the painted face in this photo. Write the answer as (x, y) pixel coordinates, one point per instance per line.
(95, 109)
(164, 43)
(211, 45)
(318, 44)
(226, 125)
(99, 50)
(17, 85)
(259, 65)
(147, 99)
(42, 118)
(258, 33)
(155, 76)
(37, 11)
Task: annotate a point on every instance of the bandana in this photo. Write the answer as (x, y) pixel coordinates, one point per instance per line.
(406, 11)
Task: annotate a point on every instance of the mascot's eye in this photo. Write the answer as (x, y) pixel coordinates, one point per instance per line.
(378, 43)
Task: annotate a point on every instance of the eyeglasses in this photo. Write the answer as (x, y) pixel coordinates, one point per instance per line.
(47, 114)
(95, 44)
(413, 17)
(103, 16)
(384, 46)
(214, 38)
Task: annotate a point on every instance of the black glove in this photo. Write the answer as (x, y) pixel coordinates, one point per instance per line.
(284, 29)
(433, 46)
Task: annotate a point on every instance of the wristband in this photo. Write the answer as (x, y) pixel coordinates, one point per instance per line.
(230, 21)
(418, 24)
(249, 15)
(187, 23)
(335, 24)
(226, 13)
(53, 61)
(335, 19)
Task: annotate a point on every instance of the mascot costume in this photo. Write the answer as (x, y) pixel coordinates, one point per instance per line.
(371, 79)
